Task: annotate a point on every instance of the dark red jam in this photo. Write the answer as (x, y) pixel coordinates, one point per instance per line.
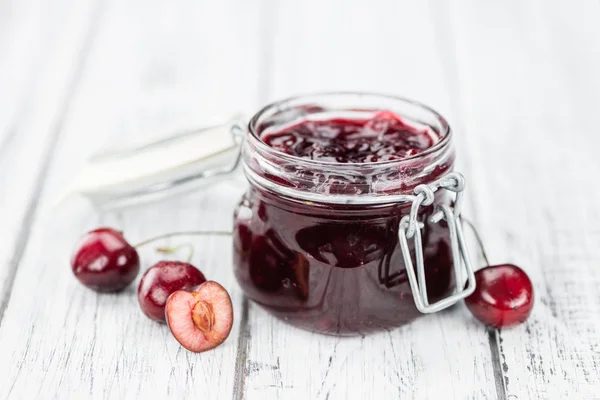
(385, 137)
(330, 267)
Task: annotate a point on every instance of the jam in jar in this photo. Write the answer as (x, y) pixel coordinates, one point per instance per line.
(316, 234)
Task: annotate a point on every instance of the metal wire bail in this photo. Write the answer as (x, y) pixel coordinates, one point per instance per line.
(410, 227)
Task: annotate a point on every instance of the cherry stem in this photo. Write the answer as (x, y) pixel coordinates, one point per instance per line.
(479, 241)
(171, 250)
(172, 234)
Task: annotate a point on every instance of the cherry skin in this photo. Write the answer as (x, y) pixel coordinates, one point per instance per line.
(201, 319)
(160, 281)
(503, 296)
(104, 261)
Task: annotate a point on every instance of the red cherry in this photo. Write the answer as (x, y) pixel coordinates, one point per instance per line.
(200, 320)
(104, 261)
(160, 281)
(503, 296)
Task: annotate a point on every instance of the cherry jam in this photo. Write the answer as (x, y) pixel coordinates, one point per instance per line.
(328, 259)
(384, 137)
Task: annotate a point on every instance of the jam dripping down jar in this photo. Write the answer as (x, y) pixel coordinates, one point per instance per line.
(350, 246)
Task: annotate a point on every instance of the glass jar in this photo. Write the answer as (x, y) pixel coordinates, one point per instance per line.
(318, 243)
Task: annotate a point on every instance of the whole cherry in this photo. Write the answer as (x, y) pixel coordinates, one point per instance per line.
(200, 319)
(503, 296)
(162, 279)
(104, 261)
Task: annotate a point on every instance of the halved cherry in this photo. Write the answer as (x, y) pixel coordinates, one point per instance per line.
(200, 320)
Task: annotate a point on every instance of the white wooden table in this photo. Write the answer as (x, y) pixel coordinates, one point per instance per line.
(518, 80)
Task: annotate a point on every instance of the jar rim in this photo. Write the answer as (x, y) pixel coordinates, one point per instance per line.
(286, 103)
(347, 183)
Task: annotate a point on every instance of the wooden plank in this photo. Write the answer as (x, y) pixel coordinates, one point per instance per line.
(384, 47)
(153, 66)
(60, 340)
(40, 47)
(529, 90)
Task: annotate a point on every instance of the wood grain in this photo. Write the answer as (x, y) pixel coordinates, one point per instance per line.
(517, 81)
(532, 134)
(39, 70)
(161, 72)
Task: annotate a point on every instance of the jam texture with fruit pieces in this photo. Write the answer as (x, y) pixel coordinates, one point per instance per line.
(385, 137)
(338, 268)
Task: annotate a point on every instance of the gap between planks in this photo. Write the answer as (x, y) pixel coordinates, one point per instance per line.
(54, 137)
(266, 34)
(446, 42)
(242, 353)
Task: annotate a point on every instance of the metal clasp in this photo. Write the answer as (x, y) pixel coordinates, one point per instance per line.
(410, 227)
